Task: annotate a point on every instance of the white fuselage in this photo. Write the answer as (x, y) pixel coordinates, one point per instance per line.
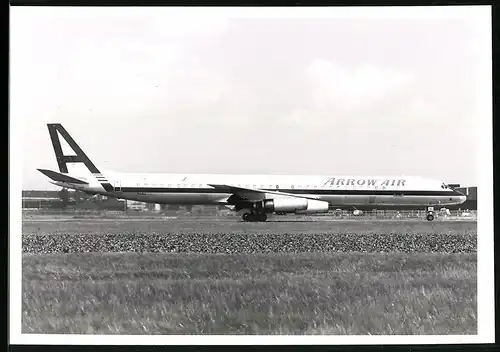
(336, 190)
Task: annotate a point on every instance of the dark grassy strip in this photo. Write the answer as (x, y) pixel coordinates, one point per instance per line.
(250, 243)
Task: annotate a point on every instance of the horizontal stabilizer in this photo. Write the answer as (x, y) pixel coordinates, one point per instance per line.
(58, 177)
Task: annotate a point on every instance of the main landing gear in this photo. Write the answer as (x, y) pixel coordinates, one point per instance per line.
(254, 217)
(430, 213)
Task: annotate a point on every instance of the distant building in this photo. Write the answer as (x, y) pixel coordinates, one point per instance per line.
(36, 199)
(74, 200)
(42, 203)
(135, 205)
(40, 194)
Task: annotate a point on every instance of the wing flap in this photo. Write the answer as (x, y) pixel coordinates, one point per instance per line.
(256, 193)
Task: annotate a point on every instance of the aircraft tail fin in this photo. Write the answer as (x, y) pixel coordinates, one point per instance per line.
(70, 152)
(69, 155)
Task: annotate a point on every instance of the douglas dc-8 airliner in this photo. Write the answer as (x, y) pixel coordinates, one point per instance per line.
(253, 196)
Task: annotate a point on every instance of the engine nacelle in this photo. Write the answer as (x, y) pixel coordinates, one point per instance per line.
(284, 205)
(315, 206)
(293, 205)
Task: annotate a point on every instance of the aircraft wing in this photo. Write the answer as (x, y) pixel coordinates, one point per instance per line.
(255, 193)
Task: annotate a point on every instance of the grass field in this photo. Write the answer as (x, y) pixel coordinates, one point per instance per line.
(329, 292)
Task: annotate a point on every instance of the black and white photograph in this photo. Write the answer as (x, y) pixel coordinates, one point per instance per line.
(251, 175)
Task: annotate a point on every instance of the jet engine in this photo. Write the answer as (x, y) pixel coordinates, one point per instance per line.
(293, 205)
(315, 206)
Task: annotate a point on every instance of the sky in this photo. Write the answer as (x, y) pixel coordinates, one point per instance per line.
(251, 92)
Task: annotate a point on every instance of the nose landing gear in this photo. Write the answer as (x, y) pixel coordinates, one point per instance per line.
(430, 213)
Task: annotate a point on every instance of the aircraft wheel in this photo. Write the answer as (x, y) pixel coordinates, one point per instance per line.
(250, 217)
(430, 217)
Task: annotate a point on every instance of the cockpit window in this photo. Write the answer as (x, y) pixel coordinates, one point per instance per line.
(444, 186)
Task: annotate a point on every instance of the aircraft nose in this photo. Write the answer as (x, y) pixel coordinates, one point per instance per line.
(461, 197)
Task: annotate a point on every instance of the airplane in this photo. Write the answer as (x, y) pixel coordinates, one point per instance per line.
(253, 196)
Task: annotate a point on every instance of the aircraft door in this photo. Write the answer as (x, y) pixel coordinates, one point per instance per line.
(117, 184)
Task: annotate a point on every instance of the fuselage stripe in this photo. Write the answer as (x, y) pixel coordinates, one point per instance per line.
(294, 191)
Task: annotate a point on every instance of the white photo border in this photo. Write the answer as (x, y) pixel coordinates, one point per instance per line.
(485, 295)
